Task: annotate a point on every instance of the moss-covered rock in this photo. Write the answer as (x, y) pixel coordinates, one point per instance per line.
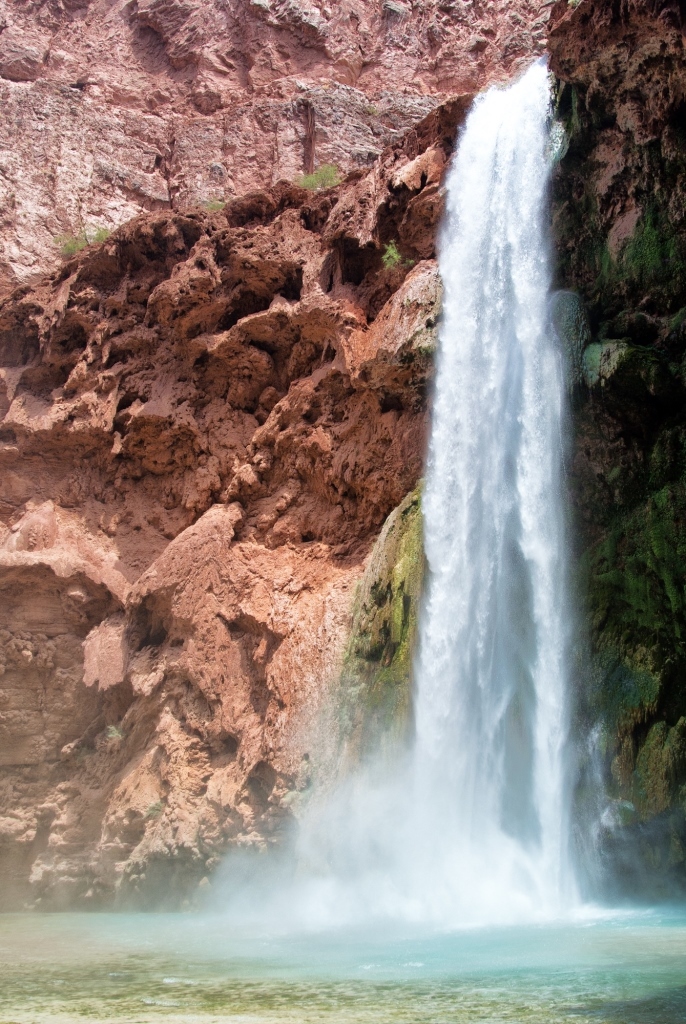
(376, 690)
(632, 509)
(601, 360)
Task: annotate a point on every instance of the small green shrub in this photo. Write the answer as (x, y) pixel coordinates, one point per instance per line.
(71, 244)
(214, 205)
(154, 810)
(391, 257)
(114, 733)
(326, 176)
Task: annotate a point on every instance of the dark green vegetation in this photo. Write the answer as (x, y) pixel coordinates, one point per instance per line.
(621, 243)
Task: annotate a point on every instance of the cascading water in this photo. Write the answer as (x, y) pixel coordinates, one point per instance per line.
(489, 780)
(472, 828)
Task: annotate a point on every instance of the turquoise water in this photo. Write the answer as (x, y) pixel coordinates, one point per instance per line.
(140, 968)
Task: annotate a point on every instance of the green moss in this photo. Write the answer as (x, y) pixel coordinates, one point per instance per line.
(637, 574)
(575, 121)
(646, 252)
(636, 586)
(629, 467)
(660, 768)
(653, 260)
(376, 692)
(623, 693)
(154, 810)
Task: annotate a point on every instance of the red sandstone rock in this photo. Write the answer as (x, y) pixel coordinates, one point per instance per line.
(110, 109)
(206, 420)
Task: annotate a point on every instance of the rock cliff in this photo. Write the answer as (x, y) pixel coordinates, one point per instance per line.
(619, 212)
(212, 422)
(206, 420)
(114, 108)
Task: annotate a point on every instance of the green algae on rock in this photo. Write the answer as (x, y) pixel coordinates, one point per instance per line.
(376, 684)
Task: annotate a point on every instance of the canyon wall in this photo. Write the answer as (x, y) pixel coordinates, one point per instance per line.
(206, 421)
(620, 231)
(213, 422)
(111, 108)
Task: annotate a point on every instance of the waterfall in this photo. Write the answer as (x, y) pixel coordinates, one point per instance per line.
(472, 827)
(489, 779)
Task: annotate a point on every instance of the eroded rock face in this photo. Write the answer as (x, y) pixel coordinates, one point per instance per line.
(110, 109)
(206, 420)
(619, 202)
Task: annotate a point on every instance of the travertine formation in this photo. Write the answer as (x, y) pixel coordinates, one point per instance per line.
(113, 108)
(206, 420)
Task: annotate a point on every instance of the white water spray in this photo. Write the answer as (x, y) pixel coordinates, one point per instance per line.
(474, 829)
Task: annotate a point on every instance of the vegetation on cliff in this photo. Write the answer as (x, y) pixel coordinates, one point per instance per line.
(376, 682)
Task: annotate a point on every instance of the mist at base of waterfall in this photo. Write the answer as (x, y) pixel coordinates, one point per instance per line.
(626, 969)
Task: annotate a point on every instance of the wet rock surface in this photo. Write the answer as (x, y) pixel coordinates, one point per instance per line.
(621, 244)
(374, 701)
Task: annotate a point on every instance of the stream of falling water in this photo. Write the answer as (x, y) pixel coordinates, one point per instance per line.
(489, 776)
